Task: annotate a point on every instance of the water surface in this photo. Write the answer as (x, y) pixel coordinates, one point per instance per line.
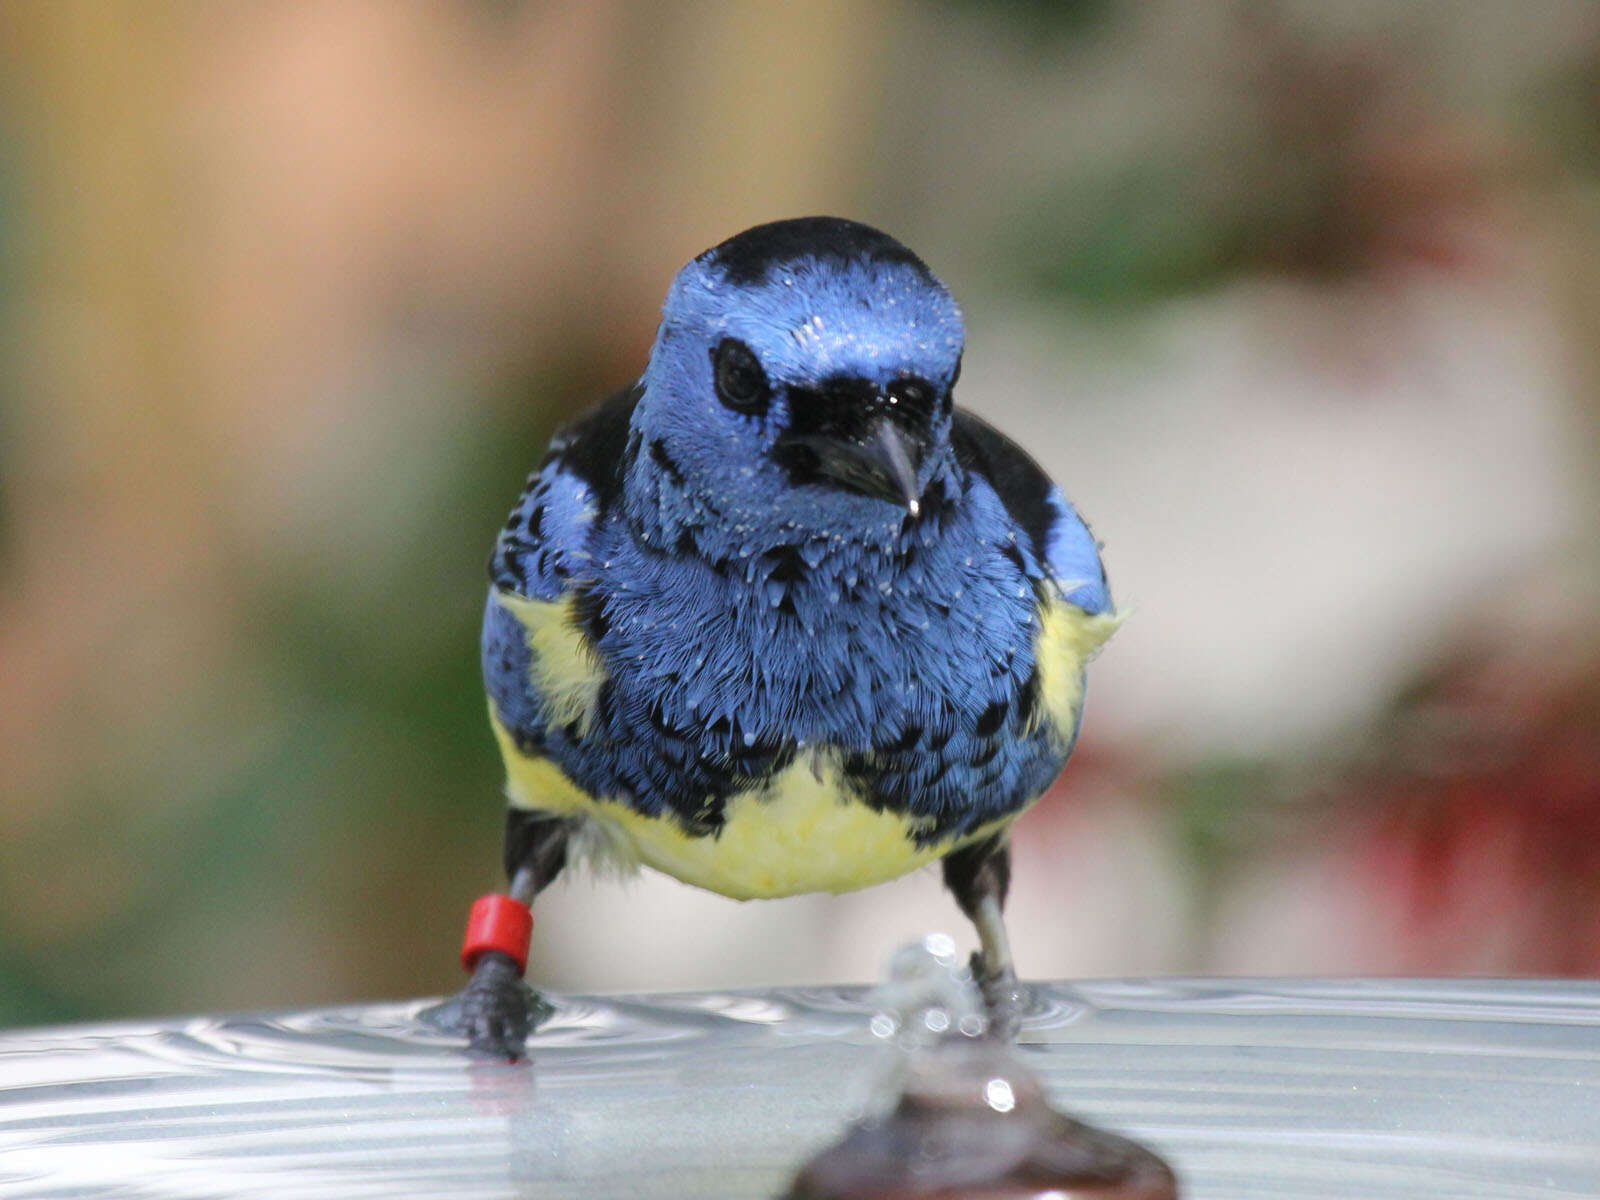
(1283, 1089)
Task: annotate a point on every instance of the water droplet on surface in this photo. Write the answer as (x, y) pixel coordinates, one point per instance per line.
(998, 1095)
(942, 946)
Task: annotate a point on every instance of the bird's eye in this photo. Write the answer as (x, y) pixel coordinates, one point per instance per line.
(741, 383)
(911, 396)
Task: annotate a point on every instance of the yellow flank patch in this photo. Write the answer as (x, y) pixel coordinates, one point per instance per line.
(1068, 639)
(565, 672)
(802, 832)
(533, 781)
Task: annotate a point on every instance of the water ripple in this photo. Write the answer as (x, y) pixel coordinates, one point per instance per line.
(1464, 1090)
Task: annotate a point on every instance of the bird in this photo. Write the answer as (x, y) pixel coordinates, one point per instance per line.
(779, 617)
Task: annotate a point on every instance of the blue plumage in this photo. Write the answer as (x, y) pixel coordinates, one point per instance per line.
(915, 651)
(785, 546)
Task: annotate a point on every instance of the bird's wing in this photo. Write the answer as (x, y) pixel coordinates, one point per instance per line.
(543, 548)
(1075, 614)
(1061, 544)
(540, 664)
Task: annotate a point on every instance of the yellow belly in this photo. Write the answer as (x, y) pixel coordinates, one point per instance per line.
(800, 833)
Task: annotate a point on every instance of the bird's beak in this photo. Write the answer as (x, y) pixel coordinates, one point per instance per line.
(889, 451)
(882, 463)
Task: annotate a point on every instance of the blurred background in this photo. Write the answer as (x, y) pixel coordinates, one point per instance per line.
(1300, 302)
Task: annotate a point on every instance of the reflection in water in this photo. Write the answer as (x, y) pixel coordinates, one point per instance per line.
(1282, 1089)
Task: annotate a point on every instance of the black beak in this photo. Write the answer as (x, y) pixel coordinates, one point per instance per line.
(882, 462)
(858, 434)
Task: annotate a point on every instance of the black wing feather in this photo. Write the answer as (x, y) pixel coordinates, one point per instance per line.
(1021, 483)
(544, 539)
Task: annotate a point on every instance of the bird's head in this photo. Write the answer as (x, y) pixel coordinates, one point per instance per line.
(802, 376)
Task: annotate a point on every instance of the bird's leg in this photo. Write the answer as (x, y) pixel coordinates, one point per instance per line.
(979, 876)
(497, 1007)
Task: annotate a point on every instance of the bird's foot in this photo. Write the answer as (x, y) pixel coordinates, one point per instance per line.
(497, 1010)
(1004, 998)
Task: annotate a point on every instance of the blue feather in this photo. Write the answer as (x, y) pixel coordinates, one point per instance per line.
(1073, 558)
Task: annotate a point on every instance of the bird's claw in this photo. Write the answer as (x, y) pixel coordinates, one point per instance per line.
(497, 1009)
(1003, 996)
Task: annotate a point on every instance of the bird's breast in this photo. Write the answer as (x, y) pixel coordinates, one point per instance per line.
(789, 725)
(827, 649)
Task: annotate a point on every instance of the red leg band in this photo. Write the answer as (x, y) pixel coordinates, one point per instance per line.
(497, 923)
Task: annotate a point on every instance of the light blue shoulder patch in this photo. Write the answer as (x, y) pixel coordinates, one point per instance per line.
(545, 540)
(1073, 557)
